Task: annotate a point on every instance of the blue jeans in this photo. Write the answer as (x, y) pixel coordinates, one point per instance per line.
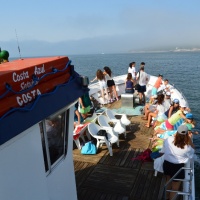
(130, 91)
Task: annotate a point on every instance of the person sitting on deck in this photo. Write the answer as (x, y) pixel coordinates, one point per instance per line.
(129, 84)
(190, 123)
(167, 101)
(150, 106)
(170, 122)
(174, 107)
(165, 87)
(166, 104)
(178, 150)
(159, 112)
(84, 105)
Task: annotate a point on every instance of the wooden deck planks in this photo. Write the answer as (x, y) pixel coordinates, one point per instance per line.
(118, 177)
(111, 179)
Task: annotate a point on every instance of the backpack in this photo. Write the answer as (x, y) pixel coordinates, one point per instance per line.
(102, 132)
(144, 156)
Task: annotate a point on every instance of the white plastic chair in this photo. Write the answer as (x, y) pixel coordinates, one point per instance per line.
(104, 123)
(112, 137)
(124, 120)
(111, 115)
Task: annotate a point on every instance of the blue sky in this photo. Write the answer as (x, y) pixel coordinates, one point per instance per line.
(47, 27)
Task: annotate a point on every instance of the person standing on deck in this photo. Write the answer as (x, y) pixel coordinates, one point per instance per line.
(132, 70)
(78, 119)
(142, 78)
(110, 83)
(102, 84)
(157, 84)
(142, 64)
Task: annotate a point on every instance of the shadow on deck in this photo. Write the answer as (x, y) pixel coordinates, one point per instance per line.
(102, 177)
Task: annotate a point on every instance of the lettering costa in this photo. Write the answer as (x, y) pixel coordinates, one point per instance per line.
(20, 77)
(25, 75)
(27, 97)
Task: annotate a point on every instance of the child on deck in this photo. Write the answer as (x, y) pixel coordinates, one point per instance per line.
(157, 84)
(170, 122)
(150, 106)
(103, 85)
(159, 112)
(190, 123)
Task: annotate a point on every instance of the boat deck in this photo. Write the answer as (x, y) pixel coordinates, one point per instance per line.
(119, 177)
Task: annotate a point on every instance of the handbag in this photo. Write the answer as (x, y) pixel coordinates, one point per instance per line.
(89, 148)
(102, 133)
(137, 86)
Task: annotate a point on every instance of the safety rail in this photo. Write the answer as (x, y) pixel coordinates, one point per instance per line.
(182, 193)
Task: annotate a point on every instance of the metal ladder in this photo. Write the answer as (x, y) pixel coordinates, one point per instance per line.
(186, 195)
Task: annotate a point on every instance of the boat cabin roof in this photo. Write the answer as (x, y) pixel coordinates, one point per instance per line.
(27, 63)
(32, 89)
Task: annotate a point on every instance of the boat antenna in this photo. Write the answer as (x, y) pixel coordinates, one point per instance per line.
(18, 43)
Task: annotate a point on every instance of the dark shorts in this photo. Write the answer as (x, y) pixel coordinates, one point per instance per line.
(142, 89)
(170, 169)
(129, 91)
(110, 83)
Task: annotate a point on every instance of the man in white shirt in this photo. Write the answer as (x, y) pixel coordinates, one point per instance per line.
(142, 78)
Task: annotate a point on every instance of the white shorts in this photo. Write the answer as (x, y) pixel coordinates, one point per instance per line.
(103, 85)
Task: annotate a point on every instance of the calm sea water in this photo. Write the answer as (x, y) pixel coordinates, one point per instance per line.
(181, 69)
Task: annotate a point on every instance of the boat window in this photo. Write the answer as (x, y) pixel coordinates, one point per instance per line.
(54, 139)
(44, 147)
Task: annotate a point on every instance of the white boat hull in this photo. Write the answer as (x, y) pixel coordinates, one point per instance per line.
(120, 87)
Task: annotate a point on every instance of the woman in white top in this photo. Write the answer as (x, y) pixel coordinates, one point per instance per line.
(131, 70)
(103, 85)
(159, 111)
(178, 150)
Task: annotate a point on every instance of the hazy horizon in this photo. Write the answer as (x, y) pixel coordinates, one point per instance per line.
(91, 27)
